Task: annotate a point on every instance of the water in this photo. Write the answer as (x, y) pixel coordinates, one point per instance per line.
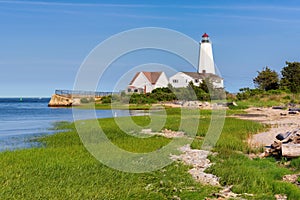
(27, 118)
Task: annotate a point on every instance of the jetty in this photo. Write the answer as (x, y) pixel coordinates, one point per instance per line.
(67, 98)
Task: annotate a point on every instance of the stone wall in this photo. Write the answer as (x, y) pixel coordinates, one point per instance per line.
(60, 101)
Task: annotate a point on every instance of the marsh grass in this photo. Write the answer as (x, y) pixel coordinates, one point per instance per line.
(64, 169)
(117, 106)
(267, 100)
(262, 177)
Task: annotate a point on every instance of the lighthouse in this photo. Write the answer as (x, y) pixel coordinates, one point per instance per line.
(206, 59)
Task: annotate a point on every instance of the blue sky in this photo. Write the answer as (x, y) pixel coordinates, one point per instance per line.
(43, 43)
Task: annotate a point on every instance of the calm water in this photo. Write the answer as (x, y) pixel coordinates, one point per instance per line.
(23, 119)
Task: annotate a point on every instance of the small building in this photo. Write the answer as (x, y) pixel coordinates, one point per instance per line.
(182, 79)
(145, 82)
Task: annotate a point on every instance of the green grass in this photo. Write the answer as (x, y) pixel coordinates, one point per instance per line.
(268, 100)
(261, 177)
(64, 169)
(115, 106)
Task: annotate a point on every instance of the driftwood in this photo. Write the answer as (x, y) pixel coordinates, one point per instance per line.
(287, 145)
(290, 150)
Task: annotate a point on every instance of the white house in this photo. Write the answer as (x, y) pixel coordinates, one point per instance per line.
(182, 79)
(145, 82)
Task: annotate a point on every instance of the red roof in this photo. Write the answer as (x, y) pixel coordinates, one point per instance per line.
(151, 76)
(205, 35)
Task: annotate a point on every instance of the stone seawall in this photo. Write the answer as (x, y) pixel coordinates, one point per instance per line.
(62, 101)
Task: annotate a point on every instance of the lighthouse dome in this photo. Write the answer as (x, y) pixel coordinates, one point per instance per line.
(205, 35)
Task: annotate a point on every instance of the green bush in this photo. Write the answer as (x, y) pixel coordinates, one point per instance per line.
(84, 100)
(106, 99)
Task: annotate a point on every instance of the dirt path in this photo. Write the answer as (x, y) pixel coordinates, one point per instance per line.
(279, 120)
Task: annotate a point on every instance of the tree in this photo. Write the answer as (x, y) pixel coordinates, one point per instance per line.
(267, 79)
(291, 76)
(207, 85)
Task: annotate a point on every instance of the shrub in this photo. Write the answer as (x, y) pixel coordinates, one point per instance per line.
(84, 100)
(106, 99)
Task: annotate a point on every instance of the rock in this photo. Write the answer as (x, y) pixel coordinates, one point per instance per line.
(76, 102)
(293, 112)
(226, 193)
(146, 131)
(60, 101)
(291, 104)
(176, 198)
(291, 178)
(228, 104)
(282, 136)
(199, 162)
(280, 197)
(165, 133)
(192, 104)
(294, 109)
(278, 107)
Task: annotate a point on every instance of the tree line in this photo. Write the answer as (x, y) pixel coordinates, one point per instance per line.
(205, 91)
(289, 80)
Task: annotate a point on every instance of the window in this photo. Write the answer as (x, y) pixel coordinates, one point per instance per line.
(136, 90)
(129, 90)
(175, 81)
(196, 81)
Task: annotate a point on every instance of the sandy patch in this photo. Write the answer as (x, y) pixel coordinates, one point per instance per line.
(279, 120)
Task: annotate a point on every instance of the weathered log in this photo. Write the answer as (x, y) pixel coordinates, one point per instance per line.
(276, 145)
(290, 150)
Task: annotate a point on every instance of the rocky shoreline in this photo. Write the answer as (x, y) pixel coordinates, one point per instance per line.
(198, 160)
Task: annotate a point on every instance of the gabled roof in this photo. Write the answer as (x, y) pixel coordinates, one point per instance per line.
(196, 75)
(151, 76)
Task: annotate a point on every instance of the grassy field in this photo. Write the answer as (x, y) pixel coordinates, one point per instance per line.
(268, 100)
(63, 169)
(116, 106)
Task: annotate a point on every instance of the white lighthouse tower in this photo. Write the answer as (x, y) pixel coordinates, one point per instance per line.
(206, 59)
